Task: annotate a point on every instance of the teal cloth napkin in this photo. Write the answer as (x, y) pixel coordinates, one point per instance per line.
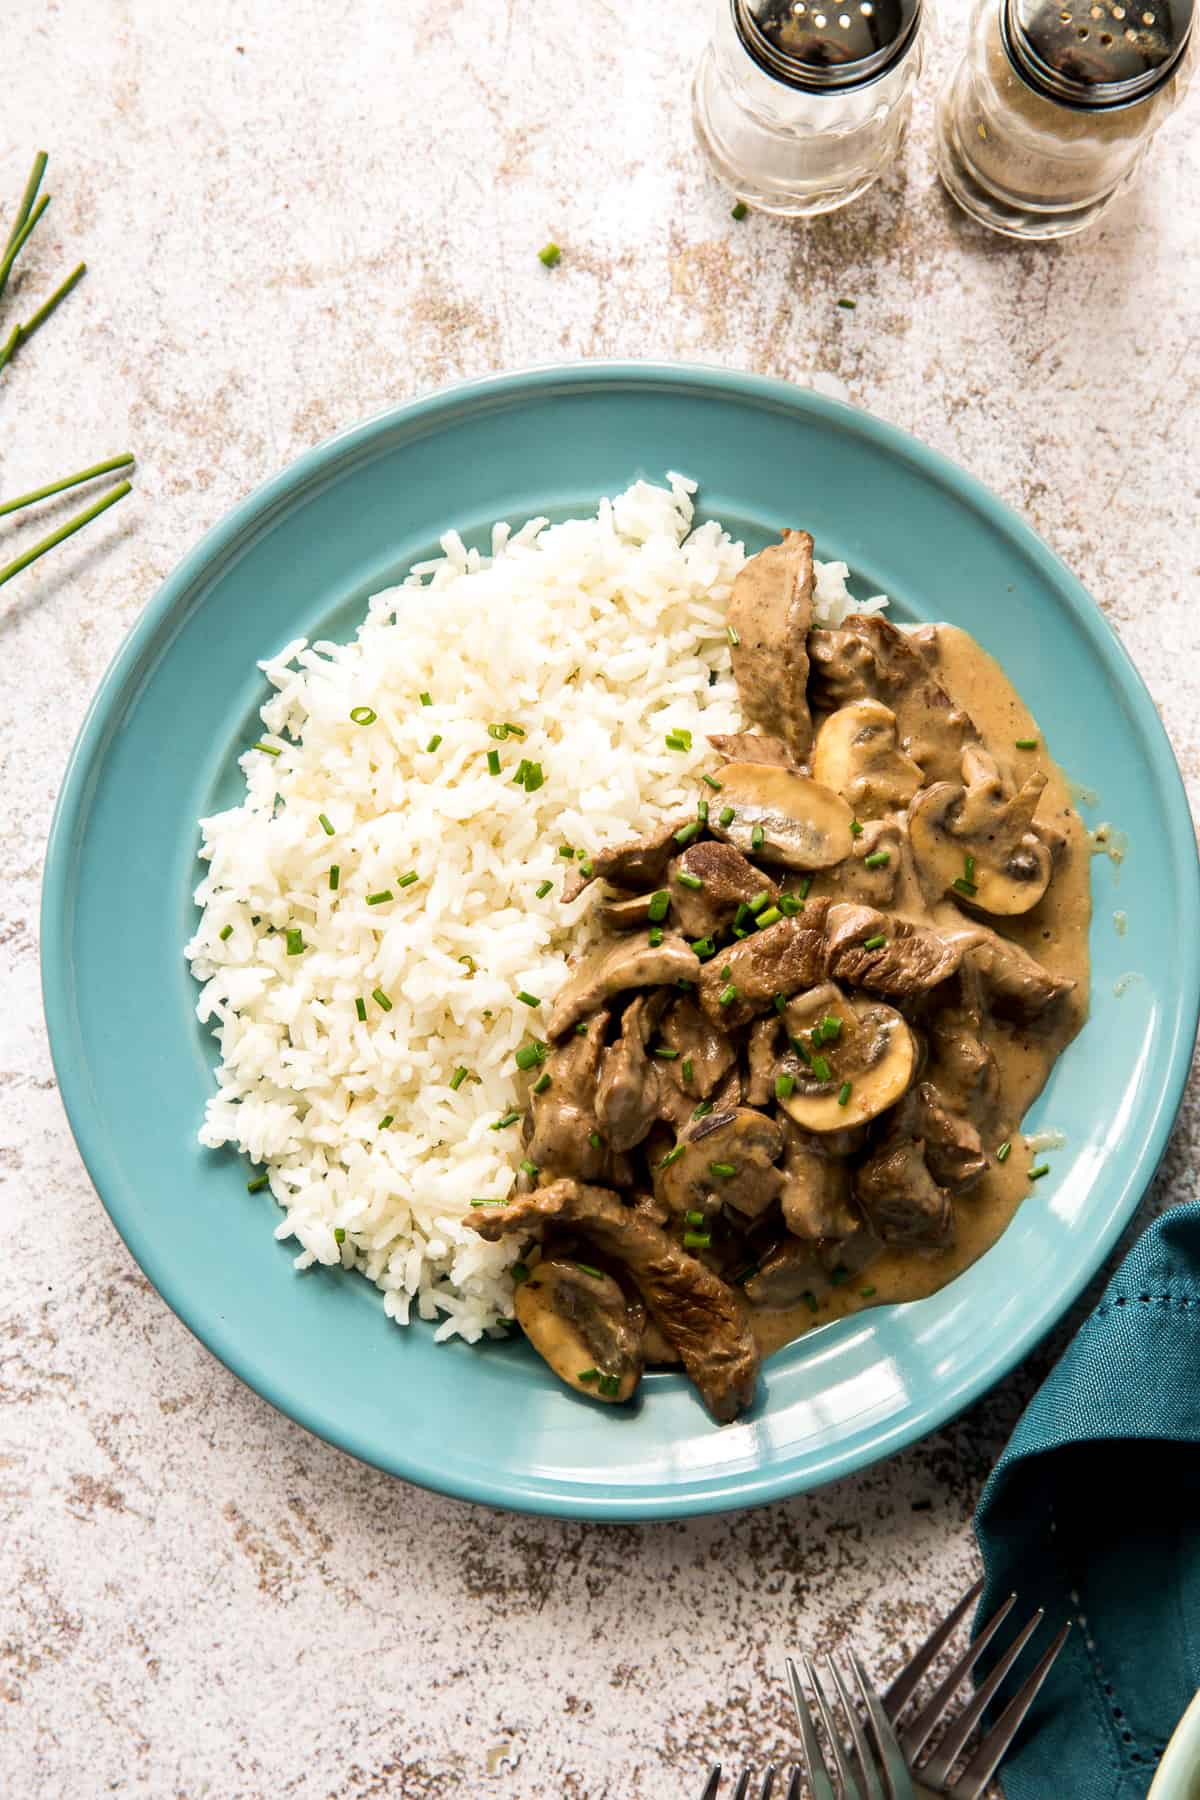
(1093, 1512)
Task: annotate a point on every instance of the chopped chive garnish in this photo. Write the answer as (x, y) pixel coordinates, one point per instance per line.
(702, 811)
(526, 998)
(844, 1093)
(1004, 1151)
(459, 1076)
(381, 1000)
(543, 888)
(849, 305)
(532, 1053)
(360, 1007)
(968, 868)
(740, 931)
(868, 1293)
(335, 876)
(499, 732)
(295, 940)
(830, 1029)
(805, 888)
(878, 859)
(541, 1084)
(323, 822)
(1041, 1169)
(594, 1139)
(789, 905)
(567, 850)
(733, 637)
(588, 1375)
(685, 987)
(722, 1169)
(697, 1240)
(487, 1200)
(785, 1086)
(514, 730)
(505, 1120)
(687, 1068)
(1027, 743)
(839, 1275)
(258, 1184)
(363, 715)
(703, 1110)
(339, 1234)
(712, 782)
(726, 972)
(694, 1218)
(530, 1168)
(875, 943)
(531, 776)
(581, 1030)
(687, 833)
(549, 255)
(493, 762)
(772, 916)
(856, 829)
(756, 838)
(433, 743)
(585, 867)
(225, 932)
(610, 1386)
(655, 936)
(656, 912)
(779, 1002)
(407, 880)
(759, 901)
(743, 915)
(725, 816)
(587, 1269)
(686, 879)
(739, 211)
(965, 887)
(378, 899)
(705, 948)
(426, 700)
(520, 1272)
(728, 995)
(671, 1156)
(683, 737)
(267, 749)
(810, 1300)
(822, 1068)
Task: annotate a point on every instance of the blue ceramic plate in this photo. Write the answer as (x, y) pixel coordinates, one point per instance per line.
(158, 750)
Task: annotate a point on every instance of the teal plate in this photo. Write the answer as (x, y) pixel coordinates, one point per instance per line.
(158, 750)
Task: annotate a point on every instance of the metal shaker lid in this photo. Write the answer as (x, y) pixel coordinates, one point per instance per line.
(1096, 53)
(818, 46)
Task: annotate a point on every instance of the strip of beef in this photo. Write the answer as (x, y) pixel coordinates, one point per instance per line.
(961, 1064)
(564, 1114)
(1016, 985)
(902, 1202)
(763, 1047)
(953, 1147)
(627, 1092)
(614, 965)
(709, 1052)
(867, 658)
(753, 747)
(869, 949)
(724, 1159)
(698, 1314)
(816, 1174)
(635, 864)
(791, 1272)
(728, 879)
(784, 959)
(770, 613)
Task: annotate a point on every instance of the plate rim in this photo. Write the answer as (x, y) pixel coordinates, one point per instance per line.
(183, 588)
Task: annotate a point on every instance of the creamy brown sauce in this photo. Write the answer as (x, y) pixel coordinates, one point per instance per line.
(1056, 933)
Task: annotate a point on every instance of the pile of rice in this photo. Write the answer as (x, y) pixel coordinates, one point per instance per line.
(597, 637)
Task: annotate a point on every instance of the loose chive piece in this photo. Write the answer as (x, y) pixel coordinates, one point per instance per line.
(541, 1084)
(323, 822)
(459, 1076)
(610, 1385)
(469, 961)
(1004, 1151)
(962, 886)
(526, 998)
(756, 838)
(567, 850)
(407, 880)
(667, 1054)
(785, 1086)
(581, 1029)
(295, 941)
(534, 779)
(655, 936)
(878, 859)
(968, 868)
(822, 1068)
(520, 1272)
(530, 1168)
(759, 901)
(489, 1200)
(712, 782)
(805, 888)
(702, 811)
(831, 1029)
(844, 1093)
(360, 1007)
(772, 916)
(588, 1375)
(339, 1234)
(686, 879)
(267, 749)
(694, 1218)
(433, 743)
(363, 715)
(705, 948)
(856, 829)
(731, 634)
(688, 833)
(789, 905)
(1042, 1169)
(703, 1110)
(779, 1002)
(697, 1240)
(671, 1157)
(505, 1120)
(868, 1293)
(585, 866)
(426, 700)
(549, 256)
(687, 1068)
(739, 211)
(875, 943)
(848, 305)
(493, 762)
(656, 912)
(225, 932)
(728, 995)
(587, 1269)
(1027, 743)
(678, 739)
(725, 816)
(381, 898)
(258, 1184)
(838, 1276)
(543, 888)
(381, 1000)
(531, 1054)
(810, 1300)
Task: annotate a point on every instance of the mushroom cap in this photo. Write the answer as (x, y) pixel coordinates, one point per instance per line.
(857, 754)
(874, 1051)
(1010, 866)
(803, 824)
(581, 1323)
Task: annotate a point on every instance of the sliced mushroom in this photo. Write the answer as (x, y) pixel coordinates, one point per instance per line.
(867, 658)
(614, 965)
(858, 756)
(782, 817)
(753, 747)
(977, 842)
(725, 1159)
(854, 1059)
(770, 612)
(727, 881)
(581, 1323)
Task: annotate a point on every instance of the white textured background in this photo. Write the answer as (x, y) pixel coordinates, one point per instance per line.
(295, 214)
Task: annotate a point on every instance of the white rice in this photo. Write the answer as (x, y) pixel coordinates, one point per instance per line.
(598, 637)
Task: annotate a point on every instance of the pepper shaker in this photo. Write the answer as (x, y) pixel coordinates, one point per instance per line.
(800, 105)
(1052, 109)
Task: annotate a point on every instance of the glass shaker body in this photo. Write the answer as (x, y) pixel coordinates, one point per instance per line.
(1028, 165)
(789, 150)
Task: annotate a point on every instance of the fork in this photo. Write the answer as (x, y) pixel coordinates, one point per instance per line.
(874, 1768)
(742, 1790)
(934, 1773)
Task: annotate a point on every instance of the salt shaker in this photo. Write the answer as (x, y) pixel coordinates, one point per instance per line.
(800, 105)
(1049, 114)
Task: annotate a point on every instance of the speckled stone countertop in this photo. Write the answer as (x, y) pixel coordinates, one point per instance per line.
(295, 214)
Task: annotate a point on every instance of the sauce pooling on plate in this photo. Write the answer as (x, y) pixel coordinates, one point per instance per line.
(785, 1077)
